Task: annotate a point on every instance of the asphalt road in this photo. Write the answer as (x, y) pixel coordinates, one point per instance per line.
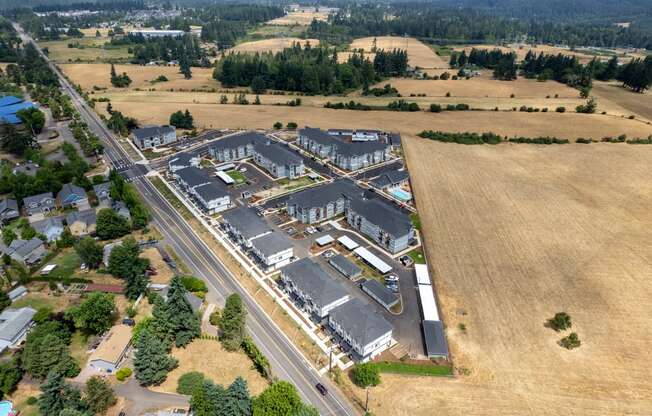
(287, 362)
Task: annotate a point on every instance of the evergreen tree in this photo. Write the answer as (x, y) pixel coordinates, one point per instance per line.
(47, 354)
(233, 322)
(182, 321)
(4, 300)
(238, 400)
(151, 361)
(58, 396)
(110, 225)
(99, 395)
(125, 263)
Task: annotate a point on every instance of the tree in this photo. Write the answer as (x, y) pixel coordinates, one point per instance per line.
(366, 374)
(125, 264)
(588, 108)
(66, 239)
(99, 395)
(238, 400)
(151, 361)
(181, 321)
(32, 118)
(119, 81)
(190, 382)
(8, 235)
(10, 376)
(207, 400)
(560, 322)
(278, 125)
(15, 140)
(291, 125)
(570, 342)
(279, 399)
(110, 225)
(258, 85)
(4, 300)
(89, 252)
(181, 120)
(233, 322)
(47, 354)
(58, 396)
(95, 314)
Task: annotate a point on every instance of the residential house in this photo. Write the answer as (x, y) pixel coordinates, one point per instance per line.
(391, 179)
(313, 287)
(72, 195)
(14, 326)
(82, 223)
(236, 147)
(51, 228)
(278, 160)
(321, 203)
(183, 160)
(367, 332)
(17, 293)
(28, 168)
(121, 209)
(36, 206)
(274, 250)
(389, 227)
(112, 350)
(26, 252)
(8, 210)
(153, 136)
(103, 194)
(244, 225)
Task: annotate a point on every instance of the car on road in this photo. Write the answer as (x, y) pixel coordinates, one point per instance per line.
(321, 389)
(243, 169)
(391, 278)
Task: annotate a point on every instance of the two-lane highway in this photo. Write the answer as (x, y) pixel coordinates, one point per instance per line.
(287, 362)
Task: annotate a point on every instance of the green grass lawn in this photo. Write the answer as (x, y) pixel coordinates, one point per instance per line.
(205, 163)
(289, 184)
(78, 348)
(67, 262)
(416, 222)
(238, 177)
(414, 369)
(417, 256)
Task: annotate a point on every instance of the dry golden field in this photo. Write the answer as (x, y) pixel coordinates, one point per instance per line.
(89, 75)
(513, 235)
(303, 18)
(635, 103)
(271, 45)
(419, 54)
(208, 357)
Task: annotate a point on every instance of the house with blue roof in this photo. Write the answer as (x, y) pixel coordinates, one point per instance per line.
(11, 105)
(72, 195)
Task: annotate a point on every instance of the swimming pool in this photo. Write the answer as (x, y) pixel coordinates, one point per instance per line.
(6, 408)
(402, 195)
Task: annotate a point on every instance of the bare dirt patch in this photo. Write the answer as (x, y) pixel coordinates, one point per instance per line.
(272, 45)
(419, 54)
(221, 366)
(89, 75)
(163, 272)
(514, 234)
(302, 17)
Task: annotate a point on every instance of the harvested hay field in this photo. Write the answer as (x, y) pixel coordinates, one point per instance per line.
(222, 367)
(419, 54)
(89, 75)
(568, 125)
(90, 49)
(632, 102)
(302, 18)
(482, 86)
(271, 45)
(515, 234)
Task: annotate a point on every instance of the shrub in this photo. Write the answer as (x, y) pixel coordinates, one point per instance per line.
(560, 109)
(193, 284)
(189, 382)
(435, 108)
(31, 400)
(560, 322)
(583, 140)
(588, 108)
(570, 342)
(292, 125)
(123, 374)
(448, 94)
(261, 363)
(365, 375)
(278, 125)
(215, 317)
(462, 107)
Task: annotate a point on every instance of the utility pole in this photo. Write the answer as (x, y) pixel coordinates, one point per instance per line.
(366, 405)
(330, 359)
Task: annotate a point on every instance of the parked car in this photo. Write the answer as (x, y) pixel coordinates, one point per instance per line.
(243, 169)
(128, 322)
(407, 261)
(321, 389)
(311, 230)
(391, 278)
(328, 254)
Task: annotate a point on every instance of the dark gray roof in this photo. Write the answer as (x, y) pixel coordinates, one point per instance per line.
(272, 243)
(44, 225)
(341, 131)
(13, 321)
(433, 333)
(8, 205)
(71, 189)
(390, 219)
(38, 199)
(277, 153)
(238, 140)
(24, 248)
(245, 220)
(87, 216)
(394, 139)
(17, 292)
(212, 190)
(318, 136)
(152, 131)
(376, 288)
(193, 176)
(390, 178)
(359, 148)
(314, 281)
(321, 195)
(344, 265)
(360, 321)
(100, 188)
(182, 159)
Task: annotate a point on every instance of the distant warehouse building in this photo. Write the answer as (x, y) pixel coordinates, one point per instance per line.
(153, 136)
(10, 106)
(148, 33)
(365, 331)
(313, 287)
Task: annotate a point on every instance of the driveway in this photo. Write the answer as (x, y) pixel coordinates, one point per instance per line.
(139, 399)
